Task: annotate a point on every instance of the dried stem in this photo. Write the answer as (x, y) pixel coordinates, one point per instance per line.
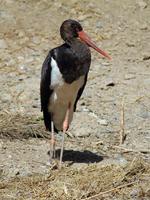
(122, 133)
(126, 150)
(111, 190)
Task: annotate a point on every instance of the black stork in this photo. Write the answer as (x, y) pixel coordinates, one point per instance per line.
(63, 79)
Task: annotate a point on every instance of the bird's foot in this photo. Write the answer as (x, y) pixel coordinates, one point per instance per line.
(52, 152)
(53, 164)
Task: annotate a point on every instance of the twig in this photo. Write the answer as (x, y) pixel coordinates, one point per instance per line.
(69, 134)
(138, 99)
(122, 134)
(126, 150)
(18, 96)
(111, 190)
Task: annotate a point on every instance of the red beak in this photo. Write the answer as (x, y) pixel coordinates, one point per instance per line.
(84, 37)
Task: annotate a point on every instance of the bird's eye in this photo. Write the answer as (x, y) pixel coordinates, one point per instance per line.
(73, 26)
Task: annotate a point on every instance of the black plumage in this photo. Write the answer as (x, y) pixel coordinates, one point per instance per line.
(73, 61)
(63, 79)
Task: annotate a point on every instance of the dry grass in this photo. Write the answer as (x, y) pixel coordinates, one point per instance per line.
(94, 181)
(21, 126)
(90, 182)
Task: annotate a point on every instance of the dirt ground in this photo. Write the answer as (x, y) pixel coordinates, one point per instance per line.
(116, 100)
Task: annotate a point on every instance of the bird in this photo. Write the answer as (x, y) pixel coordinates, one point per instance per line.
(63, 78)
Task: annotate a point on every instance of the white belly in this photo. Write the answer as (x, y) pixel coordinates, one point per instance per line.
(63, 95)
(60, 99)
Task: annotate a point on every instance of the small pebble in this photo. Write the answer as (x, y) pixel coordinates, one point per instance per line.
(34, 106)
(21, 34)
(109, 82)
(144, 27)
(83, 133)
(102, 122)
(11, 63)
(3, 44)
(130, 44)
(99, 24)
(134, 193)
(36, 40)
(146, 57)
(129, 76)
(106, 64)
(148, 192)
(83, 17)
(142, 4)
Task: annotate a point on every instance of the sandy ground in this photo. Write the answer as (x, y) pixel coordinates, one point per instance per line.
(96, 165)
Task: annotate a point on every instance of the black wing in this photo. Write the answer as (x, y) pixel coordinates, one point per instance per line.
(45, 91)
(80, 92)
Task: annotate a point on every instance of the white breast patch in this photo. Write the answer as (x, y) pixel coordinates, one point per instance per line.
(56, 76)
(63, 95)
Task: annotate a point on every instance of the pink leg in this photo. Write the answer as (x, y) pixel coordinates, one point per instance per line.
(52, 142)
(65, 127)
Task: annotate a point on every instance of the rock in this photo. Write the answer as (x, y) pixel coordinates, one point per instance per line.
(6, 15)
(102, 122)
(83, 17)
(99, 24)
(9, 1)
(21, 34)
(5, 98)
(130, 44)
(106, 64)
(82, 132)
(23, 40)
(20, 59)
(35, 106)
(121, 160)
(17, 173)
(79, 165)
(144, 27)
(92, 114)
(85, 110)
(109, 82)
(135, 193)
(148, 192)
(11, 62)
(129, 76)
(22, 67)
(20, 79)
(142, 4)
(3, 44)
(1, 173)
(146, 57)
(105, 148)
(29, 59)
(36, 40)
(1, 145)
(145, 114)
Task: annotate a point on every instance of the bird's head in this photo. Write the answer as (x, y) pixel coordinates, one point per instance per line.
(71, 29)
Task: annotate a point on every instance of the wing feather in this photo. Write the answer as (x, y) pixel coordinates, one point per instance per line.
(80, 92)
(45, 91)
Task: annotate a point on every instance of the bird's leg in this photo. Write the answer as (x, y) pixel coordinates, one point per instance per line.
(52, 142)
(65, 127)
